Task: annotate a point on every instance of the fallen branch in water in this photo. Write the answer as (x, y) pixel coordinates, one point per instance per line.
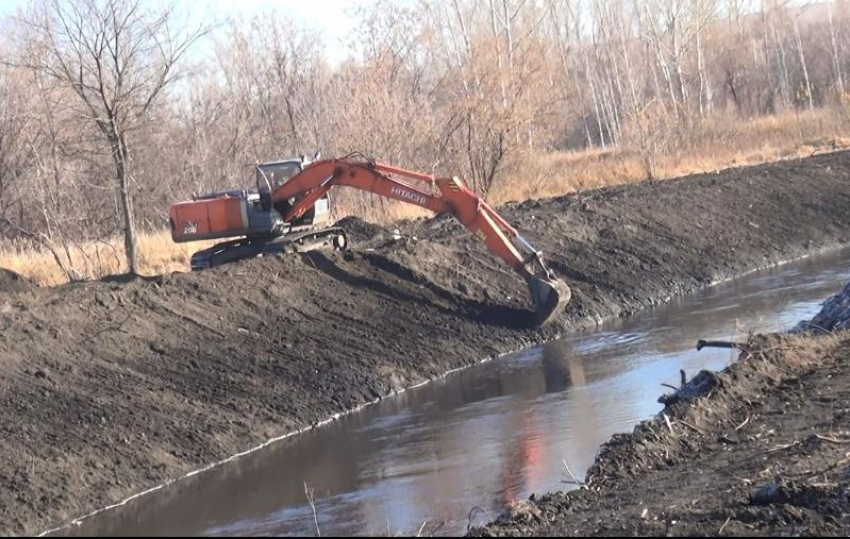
(474, 511)
(683, 376)
(572, 477)
(720, 344)
(702, 384)
(309, 493)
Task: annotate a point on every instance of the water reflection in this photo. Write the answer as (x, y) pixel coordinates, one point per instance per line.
(484, 437)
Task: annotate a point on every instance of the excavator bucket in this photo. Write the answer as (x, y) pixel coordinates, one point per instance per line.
(550, 296)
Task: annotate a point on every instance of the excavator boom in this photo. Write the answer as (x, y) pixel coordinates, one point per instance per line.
(298, 195)
(440, 195)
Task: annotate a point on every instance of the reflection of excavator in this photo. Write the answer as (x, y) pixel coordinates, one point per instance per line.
(290, 206)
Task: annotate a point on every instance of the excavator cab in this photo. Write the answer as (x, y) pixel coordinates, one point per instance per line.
(270, 176)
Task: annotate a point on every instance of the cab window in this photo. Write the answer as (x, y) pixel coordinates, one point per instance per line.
(279, 173)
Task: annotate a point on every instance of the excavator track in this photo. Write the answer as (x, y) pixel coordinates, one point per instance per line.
(241, 249)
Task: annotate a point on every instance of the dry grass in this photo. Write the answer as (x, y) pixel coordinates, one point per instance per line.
(95, 259)
(721, 143)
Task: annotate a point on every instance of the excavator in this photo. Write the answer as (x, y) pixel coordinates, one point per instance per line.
(290, 212)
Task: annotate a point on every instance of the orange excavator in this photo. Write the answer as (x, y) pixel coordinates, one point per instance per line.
(290, 209)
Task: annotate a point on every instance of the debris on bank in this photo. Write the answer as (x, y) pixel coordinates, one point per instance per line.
(834, 316)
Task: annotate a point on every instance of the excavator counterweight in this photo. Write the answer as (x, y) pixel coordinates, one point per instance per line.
(291, 203)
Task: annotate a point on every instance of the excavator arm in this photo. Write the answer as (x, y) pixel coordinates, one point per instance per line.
(549, 294)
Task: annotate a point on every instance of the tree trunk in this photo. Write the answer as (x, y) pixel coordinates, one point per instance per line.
(836, 56)
(783, 66)
(705, 93)
(805, 65)
(595, 100)
(498, 45)
(121, 157)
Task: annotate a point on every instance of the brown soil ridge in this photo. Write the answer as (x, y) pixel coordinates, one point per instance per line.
(108, 388)
(762, 448)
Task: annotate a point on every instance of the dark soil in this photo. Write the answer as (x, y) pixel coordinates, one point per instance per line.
(108, 388)
(360, 231)
(763, 449)
(12, 283)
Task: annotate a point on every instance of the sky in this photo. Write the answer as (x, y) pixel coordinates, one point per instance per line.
(332, 18)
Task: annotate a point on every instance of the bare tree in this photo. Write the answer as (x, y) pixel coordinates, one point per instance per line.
(802, 52)
(118, 57)
(836, 54)
(19, 158)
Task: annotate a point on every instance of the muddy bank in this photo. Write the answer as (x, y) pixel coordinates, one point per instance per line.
(834, 316)
(108, 388)
(762, 448)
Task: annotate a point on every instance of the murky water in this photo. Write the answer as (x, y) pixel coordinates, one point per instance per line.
(483, 437)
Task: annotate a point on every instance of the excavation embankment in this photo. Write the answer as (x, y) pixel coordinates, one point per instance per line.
(109, 388)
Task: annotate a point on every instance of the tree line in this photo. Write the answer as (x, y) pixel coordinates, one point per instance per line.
(112, 109)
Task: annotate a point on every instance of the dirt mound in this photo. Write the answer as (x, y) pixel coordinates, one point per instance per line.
(359, 230)
(12, 283)
(108, 388)
(756, 455)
